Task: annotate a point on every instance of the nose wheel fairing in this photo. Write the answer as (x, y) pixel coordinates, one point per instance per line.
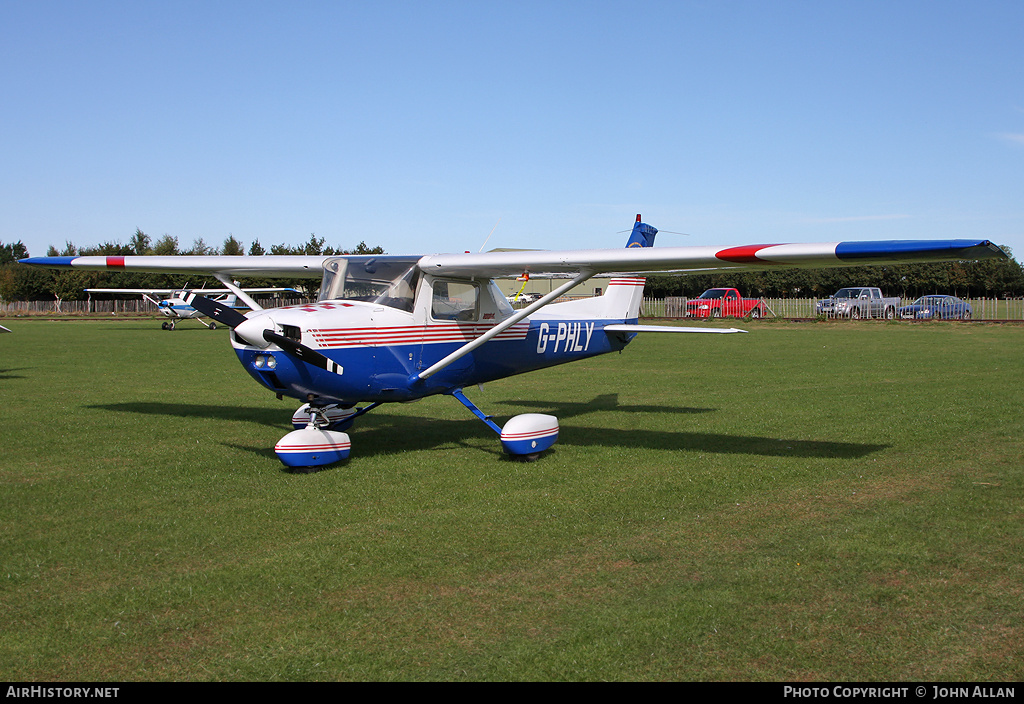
(312, 447)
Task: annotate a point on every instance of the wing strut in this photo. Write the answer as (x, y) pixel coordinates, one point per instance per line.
(237, 291)
(503, 325)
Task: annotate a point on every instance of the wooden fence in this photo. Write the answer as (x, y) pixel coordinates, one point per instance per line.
(795, 308)
(804, 308)
(126, 306)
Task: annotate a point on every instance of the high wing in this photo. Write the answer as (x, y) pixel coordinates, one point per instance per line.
(684, 260)
(171, 291)
(269, 265)
(701, 260)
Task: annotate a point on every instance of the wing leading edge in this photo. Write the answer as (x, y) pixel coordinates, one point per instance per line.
(593, 261)
(708, 259)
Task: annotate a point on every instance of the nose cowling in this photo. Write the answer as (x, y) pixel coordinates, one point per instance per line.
(251, 330)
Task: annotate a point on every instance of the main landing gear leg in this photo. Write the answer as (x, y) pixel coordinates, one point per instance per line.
(524, 436)
(338, 418)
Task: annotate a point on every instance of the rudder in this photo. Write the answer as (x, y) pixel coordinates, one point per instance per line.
(625, 294)
(642, 234)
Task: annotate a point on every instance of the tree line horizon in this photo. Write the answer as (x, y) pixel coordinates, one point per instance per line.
(967, 279)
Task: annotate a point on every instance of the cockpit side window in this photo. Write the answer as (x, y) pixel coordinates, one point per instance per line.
(455, 300)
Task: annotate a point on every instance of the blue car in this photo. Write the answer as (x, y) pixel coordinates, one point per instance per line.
(937, 308)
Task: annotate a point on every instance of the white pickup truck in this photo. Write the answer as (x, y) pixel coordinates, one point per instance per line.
(859, 302)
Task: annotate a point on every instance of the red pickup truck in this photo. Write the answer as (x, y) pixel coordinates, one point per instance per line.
(720, 302)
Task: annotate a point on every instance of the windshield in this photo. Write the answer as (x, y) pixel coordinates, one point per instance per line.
(848, 293)
(930, 301)
(713, 293)
(387, 281)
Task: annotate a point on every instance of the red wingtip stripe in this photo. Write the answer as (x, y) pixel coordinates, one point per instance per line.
(747, 254)
(115, 262)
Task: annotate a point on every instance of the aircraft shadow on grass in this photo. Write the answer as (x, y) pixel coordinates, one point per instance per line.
(604, 402)
(271, 417)
(380, 433)
(6, 373)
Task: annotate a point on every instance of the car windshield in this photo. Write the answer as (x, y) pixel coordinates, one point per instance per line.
(713, 293)
(848, 293)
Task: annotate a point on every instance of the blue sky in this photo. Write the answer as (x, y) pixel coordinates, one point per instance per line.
(419, 126)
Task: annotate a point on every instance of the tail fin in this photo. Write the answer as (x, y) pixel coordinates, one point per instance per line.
(642, 234)
(625, 294)
(228, 299)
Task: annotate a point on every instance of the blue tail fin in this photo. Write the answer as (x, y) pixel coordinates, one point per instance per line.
(642, 235)
(625, 294)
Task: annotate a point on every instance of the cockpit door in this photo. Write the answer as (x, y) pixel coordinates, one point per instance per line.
(450, 310)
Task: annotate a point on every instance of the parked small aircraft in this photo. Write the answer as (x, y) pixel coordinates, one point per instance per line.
(172, 304)
(399, 328)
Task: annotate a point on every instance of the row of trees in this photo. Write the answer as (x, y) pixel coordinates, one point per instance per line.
(990, 278)
(25, 283)
(142, 244)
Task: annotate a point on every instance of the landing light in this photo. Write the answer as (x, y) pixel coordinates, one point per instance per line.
(265, 360)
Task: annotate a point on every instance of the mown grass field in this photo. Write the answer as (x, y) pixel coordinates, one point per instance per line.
(813, 501)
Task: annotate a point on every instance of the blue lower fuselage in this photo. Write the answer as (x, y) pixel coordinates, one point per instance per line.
(382, 372)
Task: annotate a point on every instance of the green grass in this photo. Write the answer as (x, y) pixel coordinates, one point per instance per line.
(806, 502)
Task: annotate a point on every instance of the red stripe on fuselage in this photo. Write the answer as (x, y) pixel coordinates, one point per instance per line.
(115, 262)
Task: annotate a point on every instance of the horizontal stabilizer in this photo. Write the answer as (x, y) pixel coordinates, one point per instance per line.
(664, 328)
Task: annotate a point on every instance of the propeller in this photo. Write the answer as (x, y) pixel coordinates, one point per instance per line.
(233, 319)
(215, 309)
(301, 352)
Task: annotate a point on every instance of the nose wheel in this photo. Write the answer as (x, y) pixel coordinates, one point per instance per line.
(318, 439)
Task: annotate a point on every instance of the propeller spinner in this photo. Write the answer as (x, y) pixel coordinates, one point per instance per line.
(259, 331)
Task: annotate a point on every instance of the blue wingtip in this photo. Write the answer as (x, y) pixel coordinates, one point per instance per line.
(915, 249)
(48, 261)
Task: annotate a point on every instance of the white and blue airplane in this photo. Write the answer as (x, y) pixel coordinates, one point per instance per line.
(172, 301)
(399, 328)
